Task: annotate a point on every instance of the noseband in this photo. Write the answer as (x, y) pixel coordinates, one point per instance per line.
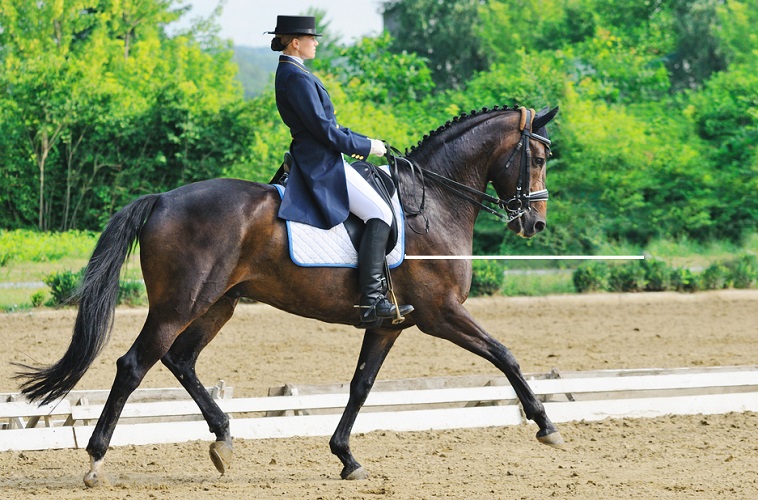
(515, 207)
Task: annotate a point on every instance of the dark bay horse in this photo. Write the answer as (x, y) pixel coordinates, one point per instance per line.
(205, 245)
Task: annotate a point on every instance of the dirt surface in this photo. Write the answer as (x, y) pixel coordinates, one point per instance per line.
(670, 457)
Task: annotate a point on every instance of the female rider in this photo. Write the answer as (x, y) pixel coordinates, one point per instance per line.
(322, 189)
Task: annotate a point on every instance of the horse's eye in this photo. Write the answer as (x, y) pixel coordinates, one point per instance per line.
(539, 161)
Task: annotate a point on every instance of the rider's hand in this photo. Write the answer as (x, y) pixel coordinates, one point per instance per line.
(377, 148)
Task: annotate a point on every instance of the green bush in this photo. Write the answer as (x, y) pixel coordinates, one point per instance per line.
(744, 271)
(657, 275)
(63, 286)
(684, 280)
(5, 257)
(38, 299)
(715, 277)
(487, 278)
(131, 293)
(591, 276)
(628, 277)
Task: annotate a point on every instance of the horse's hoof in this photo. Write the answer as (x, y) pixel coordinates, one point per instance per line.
(553, 439)
(96, 479)
(357, 474)
(221, 455)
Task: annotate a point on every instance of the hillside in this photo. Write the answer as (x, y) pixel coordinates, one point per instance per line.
(256, 67)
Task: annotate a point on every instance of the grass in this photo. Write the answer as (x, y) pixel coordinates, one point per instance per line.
(29, 256)
(19, 299)
(684, 253)
(534, 284)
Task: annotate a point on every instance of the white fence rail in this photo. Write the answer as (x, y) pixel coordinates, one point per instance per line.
(406, 405)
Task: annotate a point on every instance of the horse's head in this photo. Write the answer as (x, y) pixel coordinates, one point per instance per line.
(518, 173)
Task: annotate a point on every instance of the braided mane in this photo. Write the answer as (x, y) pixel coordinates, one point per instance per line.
(458, 119)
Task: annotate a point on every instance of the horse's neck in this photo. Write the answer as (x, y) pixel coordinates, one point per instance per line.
(464, 157)
(462, 152)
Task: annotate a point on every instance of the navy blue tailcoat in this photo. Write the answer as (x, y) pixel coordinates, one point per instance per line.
(316, 191)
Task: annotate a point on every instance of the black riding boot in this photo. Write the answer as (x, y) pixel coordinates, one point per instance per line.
(374, 306)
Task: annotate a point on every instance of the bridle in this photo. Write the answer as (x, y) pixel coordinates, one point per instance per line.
(514, 208)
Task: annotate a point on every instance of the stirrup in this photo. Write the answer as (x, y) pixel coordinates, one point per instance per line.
(371, 320)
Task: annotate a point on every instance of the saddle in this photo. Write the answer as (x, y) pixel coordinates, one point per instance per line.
(377, 178)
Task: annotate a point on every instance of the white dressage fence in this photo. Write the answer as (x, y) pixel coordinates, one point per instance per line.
(158, 415)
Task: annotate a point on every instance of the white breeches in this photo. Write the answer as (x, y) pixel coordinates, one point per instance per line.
(364, 201)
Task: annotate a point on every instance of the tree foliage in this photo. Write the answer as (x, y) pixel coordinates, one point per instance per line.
(656, 136)
(445, 33)
(107, 106)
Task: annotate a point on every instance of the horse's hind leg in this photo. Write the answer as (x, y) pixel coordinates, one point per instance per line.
(460, 328)
(152, 343)
(376, 346)
(181, 359)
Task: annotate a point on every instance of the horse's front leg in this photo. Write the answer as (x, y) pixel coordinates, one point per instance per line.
(376, 346)
(460, 328)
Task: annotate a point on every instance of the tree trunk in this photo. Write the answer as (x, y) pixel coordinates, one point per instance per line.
(41, 158)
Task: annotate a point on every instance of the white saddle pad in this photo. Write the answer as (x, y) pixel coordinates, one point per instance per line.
(314, 247)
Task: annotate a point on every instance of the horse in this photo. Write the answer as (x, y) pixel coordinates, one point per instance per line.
(206, 245)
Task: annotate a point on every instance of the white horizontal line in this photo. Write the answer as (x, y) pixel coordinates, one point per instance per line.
(525, 257)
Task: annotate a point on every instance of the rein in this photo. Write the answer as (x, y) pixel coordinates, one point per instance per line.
(514, 207)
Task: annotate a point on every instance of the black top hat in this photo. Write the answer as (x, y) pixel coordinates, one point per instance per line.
(295, 25)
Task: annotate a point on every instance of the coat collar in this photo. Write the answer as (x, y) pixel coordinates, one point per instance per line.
(292, 60)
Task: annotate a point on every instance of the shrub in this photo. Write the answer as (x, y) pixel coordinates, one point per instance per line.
(591, 276)
(487, 278)
(683, 280)
(657, 275)
(38, 299)
(744, 271)
(627, 278)
(5, 257)
(715, 277)
(63, 286)
(131, 293)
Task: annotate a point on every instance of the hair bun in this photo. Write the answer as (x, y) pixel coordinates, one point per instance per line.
(276, 44)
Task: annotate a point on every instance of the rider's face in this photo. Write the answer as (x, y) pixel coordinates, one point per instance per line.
(307, 46)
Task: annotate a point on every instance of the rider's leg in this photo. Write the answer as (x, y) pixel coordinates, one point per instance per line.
(364, 201)
(369, 206)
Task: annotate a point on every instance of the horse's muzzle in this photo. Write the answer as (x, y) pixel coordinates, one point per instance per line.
(529, 224)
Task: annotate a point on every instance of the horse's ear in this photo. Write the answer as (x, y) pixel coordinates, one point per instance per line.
(543, 117)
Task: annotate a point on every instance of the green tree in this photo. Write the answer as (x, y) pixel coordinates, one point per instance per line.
(446, 33)
(369, 71)
(110, 105)
(698, 52)
(737, 35)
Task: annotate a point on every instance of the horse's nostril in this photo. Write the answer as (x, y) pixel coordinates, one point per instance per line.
(539, 226)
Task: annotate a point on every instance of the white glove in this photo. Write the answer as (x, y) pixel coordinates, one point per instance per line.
(377, 148)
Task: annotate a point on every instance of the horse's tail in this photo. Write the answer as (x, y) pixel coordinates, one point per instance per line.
(97, 295)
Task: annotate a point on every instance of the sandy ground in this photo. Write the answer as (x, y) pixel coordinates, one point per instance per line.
(671, 457)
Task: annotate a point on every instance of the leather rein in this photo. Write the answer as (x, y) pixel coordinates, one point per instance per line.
(514, 208)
